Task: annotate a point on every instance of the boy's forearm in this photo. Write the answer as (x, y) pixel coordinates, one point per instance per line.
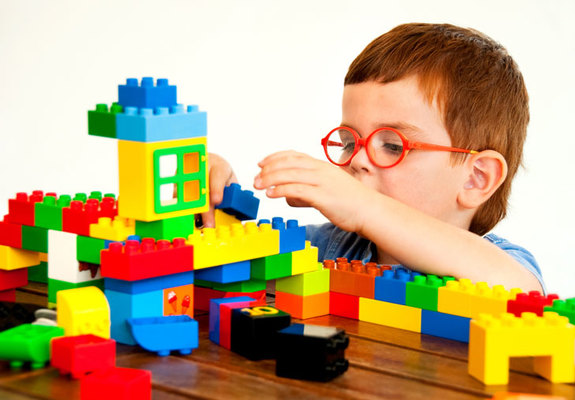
(432, 246)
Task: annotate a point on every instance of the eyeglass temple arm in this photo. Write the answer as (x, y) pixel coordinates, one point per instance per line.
(437, 147)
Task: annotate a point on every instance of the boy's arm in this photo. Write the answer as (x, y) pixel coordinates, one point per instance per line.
(407, 235)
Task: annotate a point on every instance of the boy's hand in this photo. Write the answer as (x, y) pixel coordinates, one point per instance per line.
(307, 182)
(220, 175)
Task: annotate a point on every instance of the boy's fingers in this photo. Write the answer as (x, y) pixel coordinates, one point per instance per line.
(285, 176)
(219, 179)
(208, 219)
(286, 154)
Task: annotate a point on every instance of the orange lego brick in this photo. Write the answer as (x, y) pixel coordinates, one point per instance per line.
(353, 278)
(303, 307)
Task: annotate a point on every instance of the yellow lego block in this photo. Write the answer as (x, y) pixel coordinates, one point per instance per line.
(83, 311)
(390, 314)
(12, 258)
(494, 339)
(149, 171)
(304, 260)
(229, 244)
(455, 298)
(224, 219)
(117, 229)
(492, 301)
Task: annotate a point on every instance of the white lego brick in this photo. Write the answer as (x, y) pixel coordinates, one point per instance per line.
(62, 264)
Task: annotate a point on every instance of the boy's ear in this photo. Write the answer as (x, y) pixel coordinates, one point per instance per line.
(485, 171)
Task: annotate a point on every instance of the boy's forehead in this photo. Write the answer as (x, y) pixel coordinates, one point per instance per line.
(399, 104)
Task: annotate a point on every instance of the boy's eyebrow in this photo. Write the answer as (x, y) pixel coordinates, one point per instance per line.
(401, 126)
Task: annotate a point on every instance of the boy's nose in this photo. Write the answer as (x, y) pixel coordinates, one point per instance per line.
(361, 162)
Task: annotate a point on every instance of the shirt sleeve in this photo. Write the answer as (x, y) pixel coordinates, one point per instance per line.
(521, 255)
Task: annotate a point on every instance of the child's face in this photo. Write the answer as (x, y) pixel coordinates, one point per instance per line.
(424, 180)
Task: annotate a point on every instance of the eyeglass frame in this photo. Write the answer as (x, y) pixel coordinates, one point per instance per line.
(407, 146)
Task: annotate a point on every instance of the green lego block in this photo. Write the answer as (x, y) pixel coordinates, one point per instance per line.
(38, 273)
(88, 249)
(422, 292)
(169, 228)
(565, 308)
(306, 284)
(272, 267)
(35, 238)
(54, 286)
(48, 213)
(28, 343)
(102, 122)
(206, 284)
(253, 285)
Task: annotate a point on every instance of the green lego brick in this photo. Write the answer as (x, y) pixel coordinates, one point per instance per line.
(28, 343)
(169, 228)
(206, 284)
(48, 213)
(88, 249)
(422, 292)
(252, 285)
(54, 286)
(38, 273)
(306, 284)
(565, 308)
(35, 238)
(272, 267)
(102, 122)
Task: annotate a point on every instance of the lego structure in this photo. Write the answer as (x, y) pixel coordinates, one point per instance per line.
(141, 267)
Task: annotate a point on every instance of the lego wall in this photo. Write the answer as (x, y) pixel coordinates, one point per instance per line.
(270, 77)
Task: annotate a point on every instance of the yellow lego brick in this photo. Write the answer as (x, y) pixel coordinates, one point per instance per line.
(229, 244)
(11, 258)
(224, 219)
(455, 297)
(117, 229)
(494, 339)
(492, 301)
(44, 257)
(140, 196)
(390, 314)
(83, 311)
(304, 260)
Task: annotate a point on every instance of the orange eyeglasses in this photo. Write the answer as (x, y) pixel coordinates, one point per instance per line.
(386, 147)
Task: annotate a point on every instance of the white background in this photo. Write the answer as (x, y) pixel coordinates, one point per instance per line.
(270, 76)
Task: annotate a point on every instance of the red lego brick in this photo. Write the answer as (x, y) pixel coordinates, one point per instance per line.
(353, 278)
(226, 320)
(21, 208)
(202, 297)
(533, 302)
(79, 355)
(10, 233)
(13, 279)
(118, 384)
(78, 217)
(344, 305)
(148, 259)
(8, 295)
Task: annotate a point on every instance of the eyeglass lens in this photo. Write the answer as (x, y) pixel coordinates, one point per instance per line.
(384, 147)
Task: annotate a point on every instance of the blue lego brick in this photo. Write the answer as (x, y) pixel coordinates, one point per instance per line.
(242, 204)
(124, 306)
(151, 284)
(165, 334)
(161, 123)
(391, 286)
(215, 314)
(444, 325)
(292, 236)
(228, 273)
(147, 95)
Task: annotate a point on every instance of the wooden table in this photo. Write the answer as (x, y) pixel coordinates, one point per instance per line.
(384, 363)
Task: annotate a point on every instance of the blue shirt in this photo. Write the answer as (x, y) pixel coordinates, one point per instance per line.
(333, 242)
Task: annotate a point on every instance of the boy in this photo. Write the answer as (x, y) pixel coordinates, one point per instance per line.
(433, 125)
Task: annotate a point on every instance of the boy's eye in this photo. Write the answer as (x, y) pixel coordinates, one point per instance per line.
(393, 148)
